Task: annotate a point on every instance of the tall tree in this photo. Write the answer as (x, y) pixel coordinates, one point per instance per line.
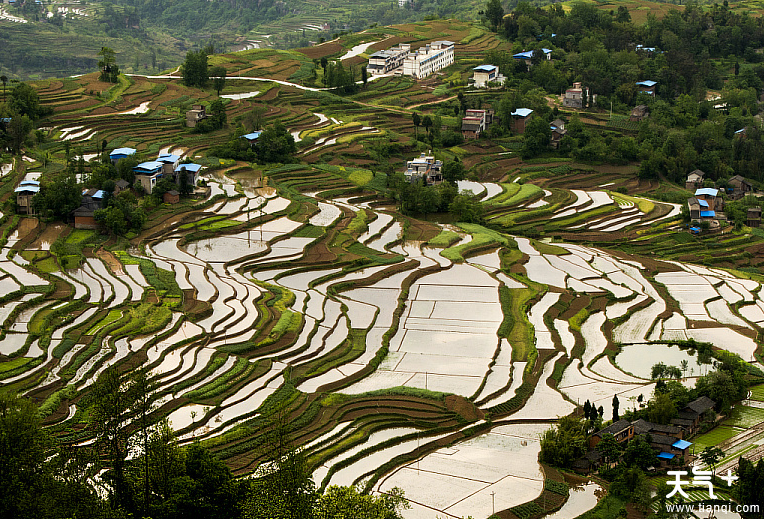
(417, 119)
(194, 69)
(108, 65)
(218, 75)
(4, 79)
(616, 405)
(495, 13)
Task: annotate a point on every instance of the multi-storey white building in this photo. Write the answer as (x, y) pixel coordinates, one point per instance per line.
(384, 61)
(429, 59)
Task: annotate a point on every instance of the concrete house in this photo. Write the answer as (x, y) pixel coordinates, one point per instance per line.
(169, 163)
(574, 97)
(148, 174)
(429, 59)
(647, 87)
(190, 170)
(121, 153)
(424, 167)
(475, 122)
(694, 180)
(384, 61)
(92, 200)
(25, 192)
(519, 118)
(484, 74)
(195, 115)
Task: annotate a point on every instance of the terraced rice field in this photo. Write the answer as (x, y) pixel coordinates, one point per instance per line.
(380, 348)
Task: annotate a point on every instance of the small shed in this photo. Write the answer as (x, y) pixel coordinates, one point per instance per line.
(120, 186)
(740, 185)
(252, 137)
(694, 180)
(753, 218)
(171, 197)
(639, 112)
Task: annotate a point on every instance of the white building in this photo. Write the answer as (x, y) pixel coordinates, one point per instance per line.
(429, 59)
(484, 74)
(384, 61)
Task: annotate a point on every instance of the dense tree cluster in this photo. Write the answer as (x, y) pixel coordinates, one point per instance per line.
(141, 471)
(274, 145)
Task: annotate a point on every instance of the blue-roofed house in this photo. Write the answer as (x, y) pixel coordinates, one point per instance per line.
(121, 153)
(647, 87)
(25, 192)
(169, 163)
(190, 170)
(527, 55)
(519, 118)
(709, 194)
(148, 174)
(484, 74)
(252, 137)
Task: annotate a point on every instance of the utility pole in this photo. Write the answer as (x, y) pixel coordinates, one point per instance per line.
(493, 503)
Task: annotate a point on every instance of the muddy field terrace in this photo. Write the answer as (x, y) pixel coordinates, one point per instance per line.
(404, 351)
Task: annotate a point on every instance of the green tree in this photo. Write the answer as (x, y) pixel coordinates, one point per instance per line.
(108, 65)
(347, 503)
(565, 443)
(218, 75)
(4, 80)
(609, 448)
(427, 123)
(58, 197)
(112, 401)
(661, 409)
(417, 119)
(616, 405)
(711, 456)
(194, 69)
(495, 13)
(466, 207)
(454, 171)
(275, 144)
(536, 137)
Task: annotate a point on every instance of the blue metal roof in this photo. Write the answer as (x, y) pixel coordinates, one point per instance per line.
(189, 167)
(546, 51)
(706, 191)
(647, 83)
(122, 151)
(528, 54)
(523, 112)
(148, 167)
(29, 183)
(168, 158)
(707, 214)
(33, 189)
(485, 68)
(703, 203)
(681, 444)
(251, 136)
(666, 456)
(5, 120)
(741, 130)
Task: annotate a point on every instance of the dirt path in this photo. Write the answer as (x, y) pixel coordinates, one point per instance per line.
(431, 102)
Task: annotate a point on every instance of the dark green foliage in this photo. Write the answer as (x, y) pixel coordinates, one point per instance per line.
(217, 118)
(122, 214)
(194, 69)
(108, 65)
(58, 197)
(565, 443)
(494, 12)
(749, 489)
(218, 75)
